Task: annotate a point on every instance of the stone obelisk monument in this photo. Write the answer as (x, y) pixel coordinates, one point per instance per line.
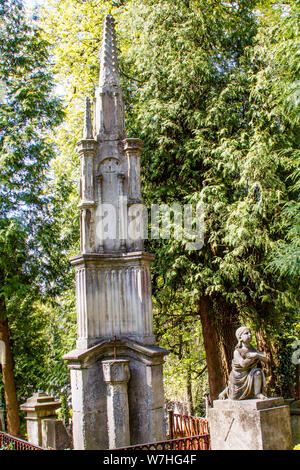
(116, 368)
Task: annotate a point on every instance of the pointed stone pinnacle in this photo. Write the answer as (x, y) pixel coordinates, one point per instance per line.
(87, 120)
(109, 69)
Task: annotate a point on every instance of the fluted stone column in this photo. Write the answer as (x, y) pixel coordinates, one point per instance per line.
(116, 375)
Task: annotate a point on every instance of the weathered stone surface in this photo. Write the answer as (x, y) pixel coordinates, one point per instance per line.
(250, 425)
(114, 297)
(55, 435)
(145, 393)
(38, 407)
(294, 406)
(116, 375)
(251, 404)
(89, 408)
(116, 371)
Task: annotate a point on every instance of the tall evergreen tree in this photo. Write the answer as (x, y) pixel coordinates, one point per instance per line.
(215, 132)
(185, 55)
(27, 113)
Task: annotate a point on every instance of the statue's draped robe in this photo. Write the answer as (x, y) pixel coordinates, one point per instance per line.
(241, 378)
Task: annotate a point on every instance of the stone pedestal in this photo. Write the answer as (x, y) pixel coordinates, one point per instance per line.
(89, 393)
(38, 407)
(294, 406)
(116, 375)
(250, 425)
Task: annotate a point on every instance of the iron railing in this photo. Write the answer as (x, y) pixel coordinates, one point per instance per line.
(186, 426)
(8, 442)
(201, 442)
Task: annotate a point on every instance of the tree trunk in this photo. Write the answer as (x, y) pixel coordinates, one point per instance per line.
(266, 347)
(10, 395)
(219, 323)
(227, 321)
(216, 375)
(189, 393)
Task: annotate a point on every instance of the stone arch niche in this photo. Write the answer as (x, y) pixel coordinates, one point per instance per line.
(110, 214)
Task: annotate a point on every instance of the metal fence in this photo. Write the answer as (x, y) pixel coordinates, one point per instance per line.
(186, 426)
(185, 433)
(201, 442)
(8, 442)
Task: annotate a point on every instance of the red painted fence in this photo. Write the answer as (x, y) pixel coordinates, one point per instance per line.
(186, 426)
(185, 443)
(185, 433)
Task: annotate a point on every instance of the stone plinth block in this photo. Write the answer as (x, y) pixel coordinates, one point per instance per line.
(38, 407)
(116, 374)
(250, 425)
(94, 387)
(113, 281)
(295, 419)
(116, 371)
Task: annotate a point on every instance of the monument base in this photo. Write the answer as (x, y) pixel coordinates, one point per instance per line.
(94, 402)
(294, 406)
(250, 425)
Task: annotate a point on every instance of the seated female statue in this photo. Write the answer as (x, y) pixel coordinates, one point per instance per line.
(246, 379)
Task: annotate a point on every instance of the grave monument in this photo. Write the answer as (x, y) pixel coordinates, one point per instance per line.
(244, 418)
(116, 368)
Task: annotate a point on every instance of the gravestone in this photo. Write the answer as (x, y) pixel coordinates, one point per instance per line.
(244, 418)
(38, 408)
(55, 435)
(250, 425)
(113, 280)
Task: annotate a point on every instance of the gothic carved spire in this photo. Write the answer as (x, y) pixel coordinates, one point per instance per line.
(109, 69)
(109, 109)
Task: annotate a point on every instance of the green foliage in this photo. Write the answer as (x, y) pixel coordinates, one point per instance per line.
(177, 329)
(208, 105)
(7, 447)
(283, 50)
(211, 89)
(64, 409)
(33, 263)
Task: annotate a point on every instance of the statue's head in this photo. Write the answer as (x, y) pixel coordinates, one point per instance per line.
(243, 335)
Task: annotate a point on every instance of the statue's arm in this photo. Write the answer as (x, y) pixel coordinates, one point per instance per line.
(257, 355)
(250, 357)
(244, 362)
(262, 357)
